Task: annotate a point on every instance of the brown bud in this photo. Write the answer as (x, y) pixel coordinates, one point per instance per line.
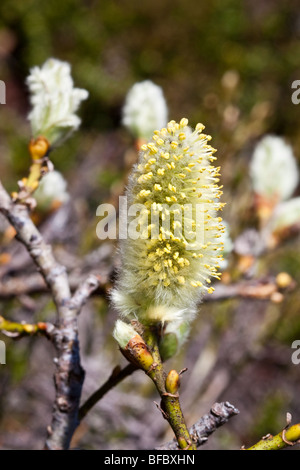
(138, 353)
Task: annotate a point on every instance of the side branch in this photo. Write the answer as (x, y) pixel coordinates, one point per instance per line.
(289, 436)
(18, 330)
(84, 291)
(218, 415)
(116, 377)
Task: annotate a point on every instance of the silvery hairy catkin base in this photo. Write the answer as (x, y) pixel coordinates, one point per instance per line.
(162, 278)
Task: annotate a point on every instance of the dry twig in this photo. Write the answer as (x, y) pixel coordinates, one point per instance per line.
(218, 415)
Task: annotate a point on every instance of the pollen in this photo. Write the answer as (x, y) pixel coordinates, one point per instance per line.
(200, 127)
(165, 155)
(146, 177)
(144, 193)
(152, 148)
(196, 284)
(172, 188)
(181, 279)
(183, 122)
(157, 267)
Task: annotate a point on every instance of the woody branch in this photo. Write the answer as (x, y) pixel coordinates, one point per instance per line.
(69, 374)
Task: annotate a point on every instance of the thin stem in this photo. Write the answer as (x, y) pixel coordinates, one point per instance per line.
(288, 437)
(17, 330)
(170, 404)
(116, 377)
(34, 175)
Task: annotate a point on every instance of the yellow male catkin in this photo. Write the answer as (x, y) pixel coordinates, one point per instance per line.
(165, 271)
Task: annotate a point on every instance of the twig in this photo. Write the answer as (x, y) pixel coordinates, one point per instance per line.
(69, 374)
(22, 285)
(170, 404)
(289, 436)
(219, 414)
(252, 289)
(33, 283)
(116, 377)
(18, 330)
(84, 291)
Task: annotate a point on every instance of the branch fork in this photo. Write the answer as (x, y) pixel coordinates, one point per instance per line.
(69, 374)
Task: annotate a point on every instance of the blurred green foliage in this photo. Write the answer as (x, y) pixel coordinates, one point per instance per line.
(184, 47)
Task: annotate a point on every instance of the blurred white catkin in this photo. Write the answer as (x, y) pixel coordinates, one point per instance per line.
(145, 109)
(54, 101)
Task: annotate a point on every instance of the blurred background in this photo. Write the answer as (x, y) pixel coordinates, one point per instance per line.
(228, 64)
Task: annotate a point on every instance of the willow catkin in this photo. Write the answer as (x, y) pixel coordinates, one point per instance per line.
(167, 264)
